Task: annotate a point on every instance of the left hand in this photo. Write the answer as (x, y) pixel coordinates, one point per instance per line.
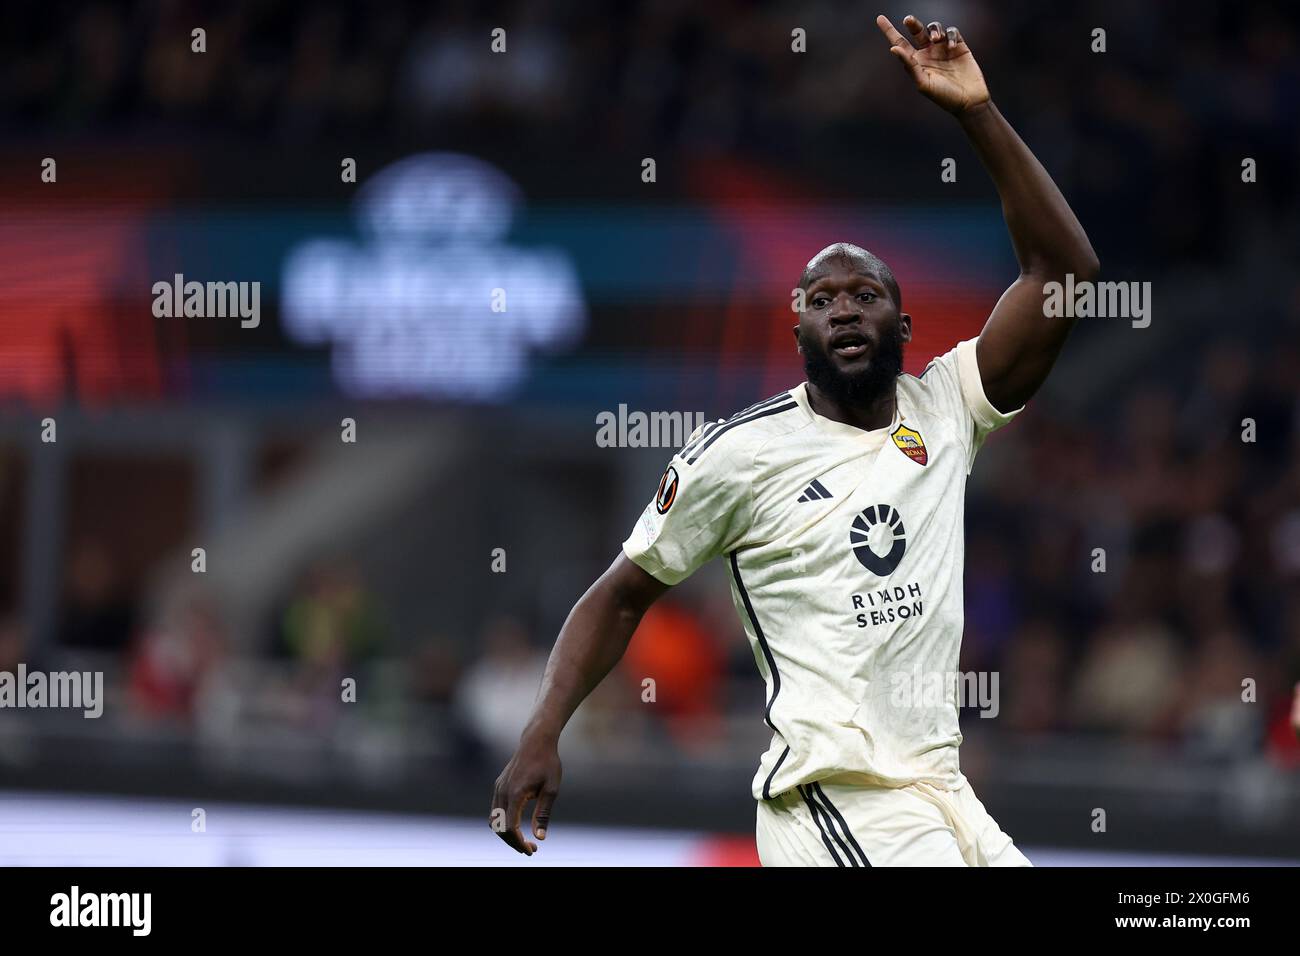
(940, 63)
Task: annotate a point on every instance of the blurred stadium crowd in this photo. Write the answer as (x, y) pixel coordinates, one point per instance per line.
(1199, 534)
(1200, 528)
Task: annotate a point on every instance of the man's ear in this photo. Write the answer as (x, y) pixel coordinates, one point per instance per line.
(905, 321)
(795, 330)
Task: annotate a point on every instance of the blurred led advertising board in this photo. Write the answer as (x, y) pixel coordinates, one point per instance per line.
(431, 300)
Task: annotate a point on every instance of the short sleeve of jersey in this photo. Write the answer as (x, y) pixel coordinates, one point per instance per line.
(701, 509)
(954, 386)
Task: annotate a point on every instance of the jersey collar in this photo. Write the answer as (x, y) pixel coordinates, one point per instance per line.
(840, 429)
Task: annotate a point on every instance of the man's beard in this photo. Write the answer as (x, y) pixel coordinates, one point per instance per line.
(861, 387)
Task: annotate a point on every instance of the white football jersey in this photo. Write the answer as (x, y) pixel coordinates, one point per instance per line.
(845, 551)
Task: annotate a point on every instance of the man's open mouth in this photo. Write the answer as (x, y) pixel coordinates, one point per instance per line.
(849, 344)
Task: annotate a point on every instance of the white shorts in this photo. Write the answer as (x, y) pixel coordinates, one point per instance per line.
(840, 822)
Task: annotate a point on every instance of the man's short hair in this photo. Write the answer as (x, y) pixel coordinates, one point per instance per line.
(847, 250)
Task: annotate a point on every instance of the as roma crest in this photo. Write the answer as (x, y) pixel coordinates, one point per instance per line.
(910, 443)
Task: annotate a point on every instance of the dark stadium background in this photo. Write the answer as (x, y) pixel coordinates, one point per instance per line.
(374, 560)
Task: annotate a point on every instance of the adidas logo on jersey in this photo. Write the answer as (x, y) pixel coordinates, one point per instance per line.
(815, 492)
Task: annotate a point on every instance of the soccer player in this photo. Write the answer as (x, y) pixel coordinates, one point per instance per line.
(838, 508)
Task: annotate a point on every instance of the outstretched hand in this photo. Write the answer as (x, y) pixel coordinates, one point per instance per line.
(532, 774)
(940, 63)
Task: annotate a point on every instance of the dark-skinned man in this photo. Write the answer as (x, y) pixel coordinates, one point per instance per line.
(838, 509)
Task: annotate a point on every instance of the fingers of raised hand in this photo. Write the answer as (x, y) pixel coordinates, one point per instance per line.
(895, 38)
(920, 36)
